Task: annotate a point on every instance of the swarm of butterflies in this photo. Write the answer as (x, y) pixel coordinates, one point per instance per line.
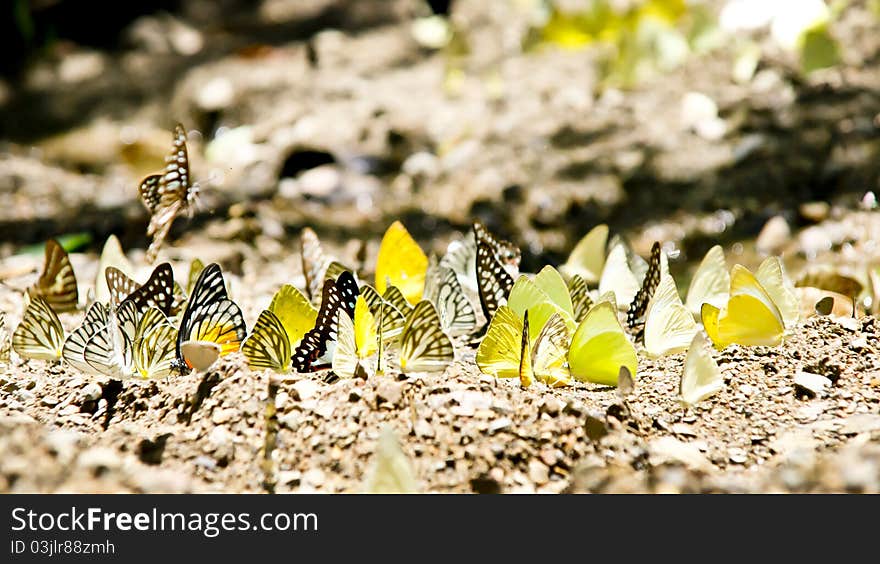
(582, 322)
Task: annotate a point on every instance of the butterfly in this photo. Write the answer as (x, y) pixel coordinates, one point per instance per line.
(710, 283)
(111, 256)
(294, 312)
(57, 282)
(5, 342)
(750, 317)
(155, 347)
(506, 350)
(196, 266)
(442, 288)
(392, 320)
(390, 471)
(637, 308)
(75, 345)
(158, 291)
(210, 317)
(700, 376)
(669, 326)
(424, 347)
(401, 263)
(493, 281)
(268, 346)
(40, 335)
(461, 258)
(587, 259)
(109, 351)
(168, 194)
(534, 296)
(771, 275)
(505, 252)
(580, 297)
(337, 295)
(356, 341)
(600, 347)
(316, 265)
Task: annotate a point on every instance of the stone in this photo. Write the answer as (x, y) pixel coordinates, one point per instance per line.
(773, 236)
(809, 384)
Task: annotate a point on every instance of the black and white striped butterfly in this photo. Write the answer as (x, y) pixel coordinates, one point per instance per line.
(580, 297)
(338, 295)
(57, 283)
(40, 335)
(442, 288)
(210, 317)
(506, 252)
(639, 306)
(268, 346)
(75, 344)
(169, 193)
(493, 281)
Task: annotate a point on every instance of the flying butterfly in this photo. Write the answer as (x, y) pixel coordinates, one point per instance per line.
(637, 308)
(424, 347)
(268, 346)
(338, 295)
(210, 317)
(356, 342)
(40, 335)
(169, 193)
(507, 351)
(75, 344)
(57, 282)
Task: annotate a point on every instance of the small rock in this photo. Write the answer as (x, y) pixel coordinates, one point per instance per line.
(859, 344)
(774, 236)
(216, 94)
(814, 211)
(499, 424)
(538, 472)
(219, 443)
(848, 323)
(49, 401)
(90, 392)
(860, 423)
(423, 429)
(809, 384)
(205, 462)
(549, 456)
(304, 389)
(683, 429)
(63, 444)
(220, 416)
(551, 406)
(390, 393)
(737, 455)
(97, 458)
(669, 449)
(289, 477)
(314, 477)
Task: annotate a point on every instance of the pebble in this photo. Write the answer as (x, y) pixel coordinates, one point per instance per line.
(499, 424)
(49, 401)
(90, 392)
(737, 456)
(390, 393)
(99, 457)
(539, 473)
(304, 389)
(551, 406)
(773, 236)
(810, 384)
(220, 416)
(314, 477)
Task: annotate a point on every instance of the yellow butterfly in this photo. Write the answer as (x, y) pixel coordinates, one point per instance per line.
(356, 341)
(390, 471)
(669, 326)
(587, 259)
(700, 376)
(771, 275)
(392, 319)
(529, 295)
(268, 346)
(294, 311)
(40, 335)
(57, 283)
(711, 282)
(750, 317)
(401, 263)
(154, 345)
(111, 255)
(600, 347)
(424, 347)
(506, 350)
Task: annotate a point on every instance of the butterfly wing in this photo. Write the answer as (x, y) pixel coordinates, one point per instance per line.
(424, 347)
(40, 335)
(390, 472)
(711, 282)
(457, 315)
(111, 256)
(75, 344)
(109, 351)
(771, 275)
(268, 345)
(294, 311)
(493, 280)
(155, 352)
(599, 347)
(57, 282)
(639, 305)
(552, 284)
(345, 358)
(580, 297)
(401, 263)
(700, 377)
(157, 292)
(395, 297)
(499, 353)
(392, 321)
(195, 268)
(617, 277)
(550, 352)
(669, 326)
(751, 318)
(588, 257)
(338, 295)
(119, 285)
(314, 263)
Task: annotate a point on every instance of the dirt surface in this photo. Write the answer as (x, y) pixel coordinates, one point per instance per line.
(314, 113)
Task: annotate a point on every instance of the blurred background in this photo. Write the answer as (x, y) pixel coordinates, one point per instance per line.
(753, 123)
